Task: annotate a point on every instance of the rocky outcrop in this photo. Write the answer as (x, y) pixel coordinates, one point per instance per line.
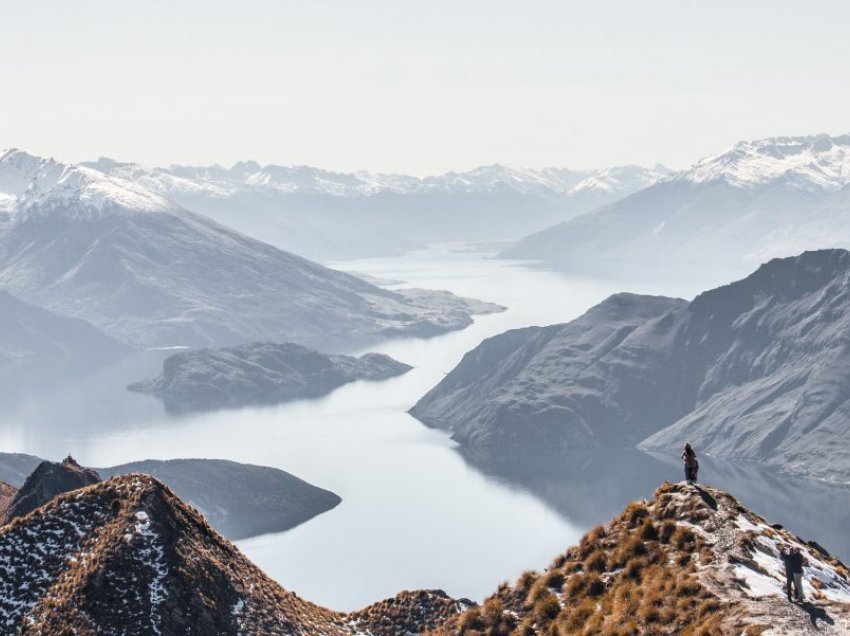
(239, 500)
(47, 481)
(7, 494)
(754, 370)
(259, 373)
(127, 556)
(691, 561)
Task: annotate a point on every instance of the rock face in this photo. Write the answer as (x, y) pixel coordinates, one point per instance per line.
(31, 333)
(754, 370)
(239, 500)
(729, 212)
(46, 482)
(332, 216)
(127, 554)
(259, 373)
(593, 382)
(7, 494)
(691, 561)
(150, 273)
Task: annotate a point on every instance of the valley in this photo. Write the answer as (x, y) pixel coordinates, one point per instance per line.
(408, 492)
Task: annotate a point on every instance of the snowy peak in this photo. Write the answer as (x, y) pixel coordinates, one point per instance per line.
(817, 162)
(27, 181)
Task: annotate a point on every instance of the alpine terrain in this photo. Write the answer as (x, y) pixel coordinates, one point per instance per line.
(127, 556)
(754, 370)
(150, 273)
(757, 200)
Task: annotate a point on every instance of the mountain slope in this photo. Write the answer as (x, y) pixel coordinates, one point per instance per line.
(332, 216)
(690, 561)
(258, 373)
(126, 554)
(754, 201)
(150, 273)
(754, 370)
(31, 333)
(592, 382)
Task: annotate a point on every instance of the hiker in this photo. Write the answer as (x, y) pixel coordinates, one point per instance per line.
(691, 464)
(793, 560)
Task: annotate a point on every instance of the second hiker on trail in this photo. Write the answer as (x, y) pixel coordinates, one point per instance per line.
(793, 560)
(691, 464)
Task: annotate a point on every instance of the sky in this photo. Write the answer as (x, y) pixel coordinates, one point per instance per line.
(418, 87)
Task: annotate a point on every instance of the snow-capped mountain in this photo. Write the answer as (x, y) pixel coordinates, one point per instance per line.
(150, 273)
(809, 163)
(330, 215)
(728, 212)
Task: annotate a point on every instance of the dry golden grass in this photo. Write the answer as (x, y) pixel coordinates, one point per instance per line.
(636, 575)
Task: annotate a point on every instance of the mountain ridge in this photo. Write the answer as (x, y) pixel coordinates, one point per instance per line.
(754, 370)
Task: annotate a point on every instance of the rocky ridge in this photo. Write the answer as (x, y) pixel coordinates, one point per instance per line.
(754, 370)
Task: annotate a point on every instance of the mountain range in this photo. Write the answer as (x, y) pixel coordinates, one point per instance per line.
(754, 370)
(728, 212)
(331, 216)
(150, 274)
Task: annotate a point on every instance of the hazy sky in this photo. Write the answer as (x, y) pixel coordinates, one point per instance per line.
(418, 87)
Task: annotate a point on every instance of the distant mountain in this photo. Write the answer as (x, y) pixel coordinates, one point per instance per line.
(258, 373)
(239, 500)
(332, 216)
(150, 273)
(754, 201)
(689, 561)
(127, 556)
(47, 481)
(755, 370)
(32, 333)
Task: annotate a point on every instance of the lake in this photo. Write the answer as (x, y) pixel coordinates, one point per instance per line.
(417, 511)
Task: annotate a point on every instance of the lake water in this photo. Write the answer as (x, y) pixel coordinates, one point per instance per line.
(417, 510)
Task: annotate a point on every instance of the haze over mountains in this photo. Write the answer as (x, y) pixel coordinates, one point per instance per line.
(150, 273)
(733, 210)
(331, 216)
(754, 370)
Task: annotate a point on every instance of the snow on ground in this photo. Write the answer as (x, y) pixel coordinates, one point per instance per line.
(769, 577)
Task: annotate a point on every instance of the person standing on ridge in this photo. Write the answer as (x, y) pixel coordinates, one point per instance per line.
(793, 560)
(691, 464)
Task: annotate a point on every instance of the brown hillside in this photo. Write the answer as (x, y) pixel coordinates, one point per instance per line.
(693, 561)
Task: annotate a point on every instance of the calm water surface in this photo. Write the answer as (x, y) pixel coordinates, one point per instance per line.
(417, 511)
